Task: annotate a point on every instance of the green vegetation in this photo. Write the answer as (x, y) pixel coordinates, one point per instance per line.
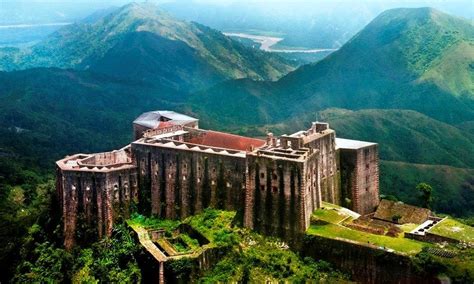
(153, 223)
(426, 191)
(426, 257)
(330, 216)
(408, 227)
(192, 243)
(31, 236)
(453, 187)
(216, 226)
(247, 256)
(252, 257)
(27, 207)
(108, 260)
(459, 269)
(454, 229)
(404, 135)
(262, 260)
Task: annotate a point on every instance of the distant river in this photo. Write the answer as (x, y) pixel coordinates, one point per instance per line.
(266, 43)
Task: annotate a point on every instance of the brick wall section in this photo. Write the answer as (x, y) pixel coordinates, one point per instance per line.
(312, 187)
(430, 237)
(360, 178)
(328, 167)
(279, 200)
(92, 201)
(183, 183)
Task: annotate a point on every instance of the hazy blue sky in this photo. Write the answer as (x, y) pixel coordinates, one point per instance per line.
(17, 11)
(464, 3)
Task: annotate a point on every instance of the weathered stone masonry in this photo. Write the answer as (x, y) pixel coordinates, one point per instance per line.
(360, 178)
(184, 181)
(94, 196)
(173, 169)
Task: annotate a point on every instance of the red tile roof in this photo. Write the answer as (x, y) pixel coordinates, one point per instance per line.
(226, 140)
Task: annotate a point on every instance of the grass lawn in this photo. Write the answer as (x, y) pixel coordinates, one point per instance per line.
(399, 244)
(329, 215)
(327, 205)
(453, 229)
(408, 227)
(153, 223)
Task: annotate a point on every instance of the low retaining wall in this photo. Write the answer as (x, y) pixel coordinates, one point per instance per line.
(429, 237)
(158, 268)
(366, 263)
(188, 269)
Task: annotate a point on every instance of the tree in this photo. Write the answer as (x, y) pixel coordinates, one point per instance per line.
(426, 194)
(396, 218)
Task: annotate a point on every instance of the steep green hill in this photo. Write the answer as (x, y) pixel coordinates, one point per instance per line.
(402, 60)
(90, 45)
(453, 188)
(405, 135)
(157, 60)
(48, 113)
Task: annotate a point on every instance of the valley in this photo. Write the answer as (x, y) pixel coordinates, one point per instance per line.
(266, 43)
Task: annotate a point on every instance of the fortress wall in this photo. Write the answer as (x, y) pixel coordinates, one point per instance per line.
(107, 158)
(179, 183)
(312, 188)
(366, 264)
(360, 178)
(328, 166)
(92, 201)
(275, 197)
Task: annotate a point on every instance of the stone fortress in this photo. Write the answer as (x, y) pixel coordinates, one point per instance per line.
(174, 169)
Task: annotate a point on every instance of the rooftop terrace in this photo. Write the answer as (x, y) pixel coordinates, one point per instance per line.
(342, 143)
(173, 144)
(278, 152)
(226, 140)
(98, 162)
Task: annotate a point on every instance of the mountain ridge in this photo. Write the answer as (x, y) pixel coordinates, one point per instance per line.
(82, 45)
(380, 68)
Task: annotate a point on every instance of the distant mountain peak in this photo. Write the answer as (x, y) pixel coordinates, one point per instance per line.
(142, 10)
(137, 34)
(410, 13)
(418, 59)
